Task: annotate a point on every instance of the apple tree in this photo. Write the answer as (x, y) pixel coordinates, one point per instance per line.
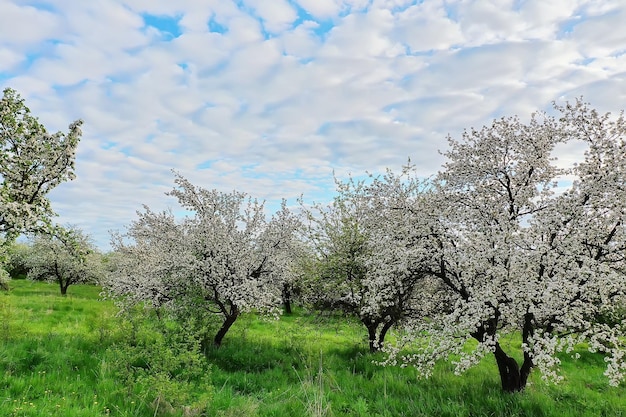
(32, 162)
(223, 259)
(360, 257)
(524, 247)
(66, 256)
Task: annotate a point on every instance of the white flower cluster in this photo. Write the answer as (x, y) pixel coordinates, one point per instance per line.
(366, 264)
(32, 162)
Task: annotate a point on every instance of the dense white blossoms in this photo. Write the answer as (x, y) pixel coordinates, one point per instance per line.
(225, 259)
(510, 254)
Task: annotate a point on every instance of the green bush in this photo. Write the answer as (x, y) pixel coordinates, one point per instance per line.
(162, 366)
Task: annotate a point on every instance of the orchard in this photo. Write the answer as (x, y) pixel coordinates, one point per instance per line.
(505, 242)
(502, 241)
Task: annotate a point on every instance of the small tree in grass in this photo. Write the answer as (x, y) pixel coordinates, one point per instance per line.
(66, 257)
(223, 260)
(512, 253)
(290, 272)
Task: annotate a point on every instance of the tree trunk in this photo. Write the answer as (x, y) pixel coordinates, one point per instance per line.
(230, 319)
(63, 287)
(286, 298)
(525, 370)
(527, 332)
(512, 377)
(63, 283)
(383, 333)
(371, 336)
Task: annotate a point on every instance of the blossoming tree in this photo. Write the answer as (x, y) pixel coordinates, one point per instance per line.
(67, 256)
(224, 260)
(32, 162)
(359, 266)
(522, 247)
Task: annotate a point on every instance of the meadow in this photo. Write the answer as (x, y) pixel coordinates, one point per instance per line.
(73, 356)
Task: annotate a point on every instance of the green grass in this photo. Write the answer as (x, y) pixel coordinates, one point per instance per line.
(71, 356)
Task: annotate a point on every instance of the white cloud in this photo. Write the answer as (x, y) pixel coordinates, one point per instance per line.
(321, 9)
(24, 25)
(363, 35)
(275, 114)
(300, 42)
(601, 36)
(9, 59)
(277, 15)
(426, 26)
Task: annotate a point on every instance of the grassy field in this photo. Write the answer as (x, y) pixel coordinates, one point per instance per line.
(71, 356)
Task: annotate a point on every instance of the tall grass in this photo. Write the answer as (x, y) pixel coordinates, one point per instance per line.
(71, 356)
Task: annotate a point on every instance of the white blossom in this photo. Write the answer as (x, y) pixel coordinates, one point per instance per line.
(365, 264)
(32, 162)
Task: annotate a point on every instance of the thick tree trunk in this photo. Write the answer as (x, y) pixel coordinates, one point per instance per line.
(525, 370)
(376, 339)
(63, 283)
(509, 371)
(527, 332)
(230, 319)
(372, 327)
(512, 377)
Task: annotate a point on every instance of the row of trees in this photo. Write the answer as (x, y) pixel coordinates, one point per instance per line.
(501, 241)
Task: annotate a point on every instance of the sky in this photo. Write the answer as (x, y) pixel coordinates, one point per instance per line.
(276, 97)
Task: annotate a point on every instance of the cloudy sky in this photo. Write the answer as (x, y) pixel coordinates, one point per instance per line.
(271, 97)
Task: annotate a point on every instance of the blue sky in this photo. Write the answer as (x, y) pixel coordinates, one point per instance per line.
(271, 97)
